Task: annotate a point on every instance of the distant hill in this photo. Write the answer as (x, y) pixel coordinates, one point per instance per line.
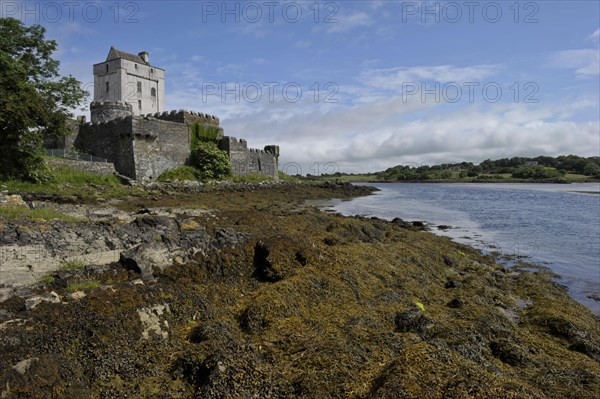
(564, 168)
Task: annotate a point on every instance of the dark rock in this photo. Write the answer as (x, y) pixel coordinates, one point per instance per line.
(456, 303)
(418, 224)
(448, 261)
(412, 320)
(145, 257)
(452, 284)
(228, 237)
(509, 352)
(443, 227)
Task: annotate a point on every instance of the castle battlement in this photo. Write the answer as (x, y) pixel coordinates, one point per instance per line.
(140, 137)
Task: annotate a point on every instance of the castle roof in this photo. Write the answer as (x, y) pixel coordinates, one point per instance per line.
(115, 54)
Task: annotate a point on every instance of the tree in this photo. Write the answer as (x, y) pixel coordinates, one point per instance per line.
(210, 161)
(34, 99)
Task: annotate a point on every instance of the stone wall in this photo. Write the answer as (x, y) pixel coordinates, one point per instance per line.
(99, 168)
(104, 111)
(187, 117)
(159, 145)
(111, 140)
(141, 148)
(245, 161)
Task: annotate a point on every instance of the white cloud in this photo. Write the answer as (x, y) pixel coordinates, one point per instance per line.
(585, 62)
(395, 78)
(595, 35)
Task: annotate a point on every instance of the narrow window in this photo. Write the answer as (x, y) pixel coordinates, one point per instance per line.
(153, 92)
(151, 70)
(135, 66)
(106, 68)
(139, 87)
(140, 105)
(107, 86)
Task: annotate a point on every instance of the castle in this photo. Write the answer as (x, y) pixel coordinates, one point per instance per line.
(130, 128)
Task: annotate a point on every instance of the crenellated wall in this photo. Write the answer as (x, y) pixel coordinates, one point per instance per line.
(142, 147)
(245, 161)
(185, 116)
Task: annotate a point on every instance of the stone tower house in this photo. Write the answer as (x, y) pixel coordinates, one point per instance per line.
(130, 79)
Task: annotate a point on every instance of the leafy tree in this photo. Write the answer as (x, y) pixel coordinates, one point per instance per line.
(34, 99)
(210, 161)
(591, 169)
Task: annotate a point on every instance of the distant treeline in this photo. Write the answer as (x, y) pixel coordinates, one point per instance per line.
(542, 167)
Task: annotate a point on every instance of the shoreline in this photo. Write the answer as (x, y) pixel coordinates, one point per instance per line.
(253, 292)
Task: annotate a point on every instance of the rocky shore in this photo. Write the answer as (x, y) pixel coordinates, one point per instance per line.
(247, 291)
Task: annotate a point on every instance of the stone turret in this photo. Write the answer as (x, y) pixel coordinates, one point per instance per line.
(105, 111)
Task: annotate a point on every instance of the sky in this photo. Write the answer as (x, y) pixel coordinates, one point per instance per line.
(358, 86)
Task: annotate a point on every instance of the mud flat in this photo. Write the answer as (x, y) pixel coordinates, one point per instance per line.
(245, 291)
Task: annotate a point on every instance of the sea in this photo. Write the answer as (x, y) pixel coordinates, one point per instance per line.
(553, 225)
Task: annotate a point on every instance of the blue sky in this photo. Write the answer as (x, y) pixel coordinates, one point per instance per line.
(359, 85)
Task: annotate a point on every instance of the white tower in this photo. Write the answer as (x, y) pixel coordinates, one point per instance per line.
(131, 79)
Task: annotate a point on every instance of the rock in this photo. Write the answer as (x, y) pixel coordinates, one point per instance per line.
(412, 320)
(145, 257)
(24, 365)
(456, 303)
(152, 323)
(443, 227)
(7, 201)
(228, 237)
(448, 261)
(76, 296)
(33, 302)
(452, 284)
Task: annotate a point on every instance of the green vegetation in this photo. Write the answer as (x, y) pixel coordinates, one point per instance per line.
(48, 279)
(83, 285)
(64, 180)
(202, 133)
(35, 100)
(211, 162)
(74, 264)
(251, 178)
(21, 212)
(181, 173)
(518, 169)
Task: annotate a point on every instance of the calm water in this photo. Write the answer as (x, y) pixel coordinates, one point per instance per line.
(556, 225)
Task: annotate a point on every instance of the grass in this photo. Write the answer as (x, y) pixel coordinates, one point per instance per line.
(48, 279)
(21, 212)
(251, 178)
(83, 285)
(74, 264)
(69, 181)
(182, 173)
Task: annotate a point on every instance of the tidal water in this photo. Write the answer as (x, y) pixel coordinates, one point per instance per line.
(554, 225)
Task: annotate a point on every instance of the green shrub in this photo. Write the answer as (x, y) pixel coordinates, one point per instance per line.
(211, 162)
(74, 264)
(83, 285)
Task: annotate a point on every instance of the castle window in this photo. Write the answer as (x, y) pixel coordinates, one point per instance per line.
(135, 66)
(140, 105)
(153, 92)
(139, 85)
(106, 68)
(107, 86)
(151, 70)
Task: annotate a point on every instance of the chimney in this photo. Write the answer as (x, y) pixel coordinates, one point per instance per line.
(145, 56)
